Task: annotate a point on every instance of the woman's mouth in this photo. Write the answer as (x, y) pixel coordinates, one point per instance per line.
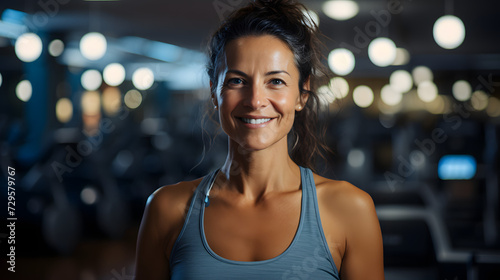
(255, 121)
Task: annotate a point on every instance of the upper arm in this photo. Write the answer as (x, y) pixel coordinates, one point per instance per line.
(363, 258)
(151, 261)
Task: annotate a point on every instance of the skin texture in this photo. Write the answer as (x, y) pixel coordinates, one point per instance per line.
(258, 190)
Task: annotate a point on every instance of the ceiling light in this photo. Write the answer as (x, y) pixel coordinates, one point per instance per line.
(312, 18)
(427, 91)
(93, 45)
(91, 80)
(390, 96)
(363, 96)
(402, 57)
(340, 9)
(479, 100)
(422, 74)
(143, 78)
(449, 32)
(24, 90)
(401, 81)
(341, 61)
(64, 110)
(382, 51)
(462, 90)
(114, 74)
(28, 47)
(56, 48)
(339, 87)
(133, 99)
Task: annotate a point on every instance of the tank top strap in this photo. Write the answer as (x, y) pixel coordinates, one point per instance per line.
(198, 199)
(312, 219)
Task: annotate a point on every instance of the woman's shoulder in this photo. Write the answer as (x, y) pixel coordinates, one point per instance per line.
(342, 195)
(171, 202)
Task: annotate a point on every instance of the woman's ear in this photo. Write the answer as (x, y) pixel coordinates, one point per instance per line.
(303, 95)
(213, 96)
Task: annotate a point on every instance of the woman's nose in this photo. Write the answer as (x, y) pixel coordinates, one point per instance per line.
(256, 97)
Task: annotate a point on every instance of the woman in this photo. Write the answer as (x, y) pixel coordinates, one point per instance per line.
(263, 214)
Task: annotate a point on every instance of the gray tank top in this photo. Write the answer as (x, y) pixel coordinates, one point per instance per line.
(307, 257)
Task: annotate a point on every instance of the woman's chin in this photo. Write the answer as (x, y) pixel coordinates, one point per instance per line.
(253, 145)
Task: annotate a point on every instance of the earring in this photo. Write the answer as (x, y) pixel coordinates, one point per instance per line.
(215, 107)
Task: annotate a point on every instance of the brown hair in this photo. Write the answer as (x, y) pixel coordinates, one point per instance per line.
(287, 21)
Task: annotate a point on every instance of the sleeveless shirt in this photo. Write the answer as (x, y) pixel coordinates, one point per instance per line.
(307, 256)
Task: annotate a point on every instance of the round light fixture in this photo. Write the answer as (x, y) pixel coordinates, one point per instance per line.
(341, 61)
(362, 96)
(28, 47)
(114, 74)
(143, 78)
(91, 80)
(340, 9)
(382, 51)
(401, 81)
(427, 91)
(449, 32)
(93, 45)
(462, 90)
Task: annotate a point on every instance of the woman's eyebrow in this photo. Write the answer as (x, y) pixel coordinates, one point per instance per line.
(277, 72)
(237, 72)
(241, 73)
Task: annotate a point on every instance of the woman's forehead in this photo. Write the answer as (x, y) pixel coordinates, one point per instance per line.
(264, 51)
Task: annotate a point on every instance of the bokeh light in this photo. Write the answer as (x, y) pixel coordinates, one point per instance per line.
(93, 45)
(340, 9)
(382, 51)
(89, 195)
(479, 100)
(341, 61)
(28, 47)
(402, 57)
(313, 18)
(422, 74)
(114, 74)
(462, 90)
(325, 95)
(133, 99)
(363, 96)
(111, 100)
(56, 48)
(493, 109)
(437, 106)
(91, 103)
(24, 90)
(339, 87)
(64, 110)
(143, 78)
(356, 158)
(401, 81)
(91, 80)
(449, 32)
(390, 96)
(427, 91)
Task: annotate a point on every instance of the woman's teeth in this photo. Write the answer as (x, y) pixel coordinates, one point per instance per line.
(255, 121)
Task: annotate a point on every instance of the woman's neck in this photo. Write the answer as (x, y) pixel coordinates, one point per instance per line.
(257, 173)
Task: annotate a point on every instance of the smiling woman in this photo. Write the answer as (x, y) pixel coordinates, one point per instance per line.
(263, 213)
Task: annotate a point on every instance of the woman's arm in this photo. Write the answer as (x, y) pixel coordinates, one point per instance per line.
(151, 261)
(161, 224)
(363, 258)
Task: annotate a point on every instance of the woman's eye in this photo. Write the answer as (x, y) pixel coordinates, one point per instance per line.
(235, 81)
(277, 82)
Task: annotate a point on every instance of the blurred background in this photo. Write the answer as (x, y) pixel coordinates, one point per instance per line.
(101, 102)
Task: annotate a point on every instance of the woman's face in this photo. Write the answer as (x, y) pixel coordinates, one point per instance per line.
(260, 91)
